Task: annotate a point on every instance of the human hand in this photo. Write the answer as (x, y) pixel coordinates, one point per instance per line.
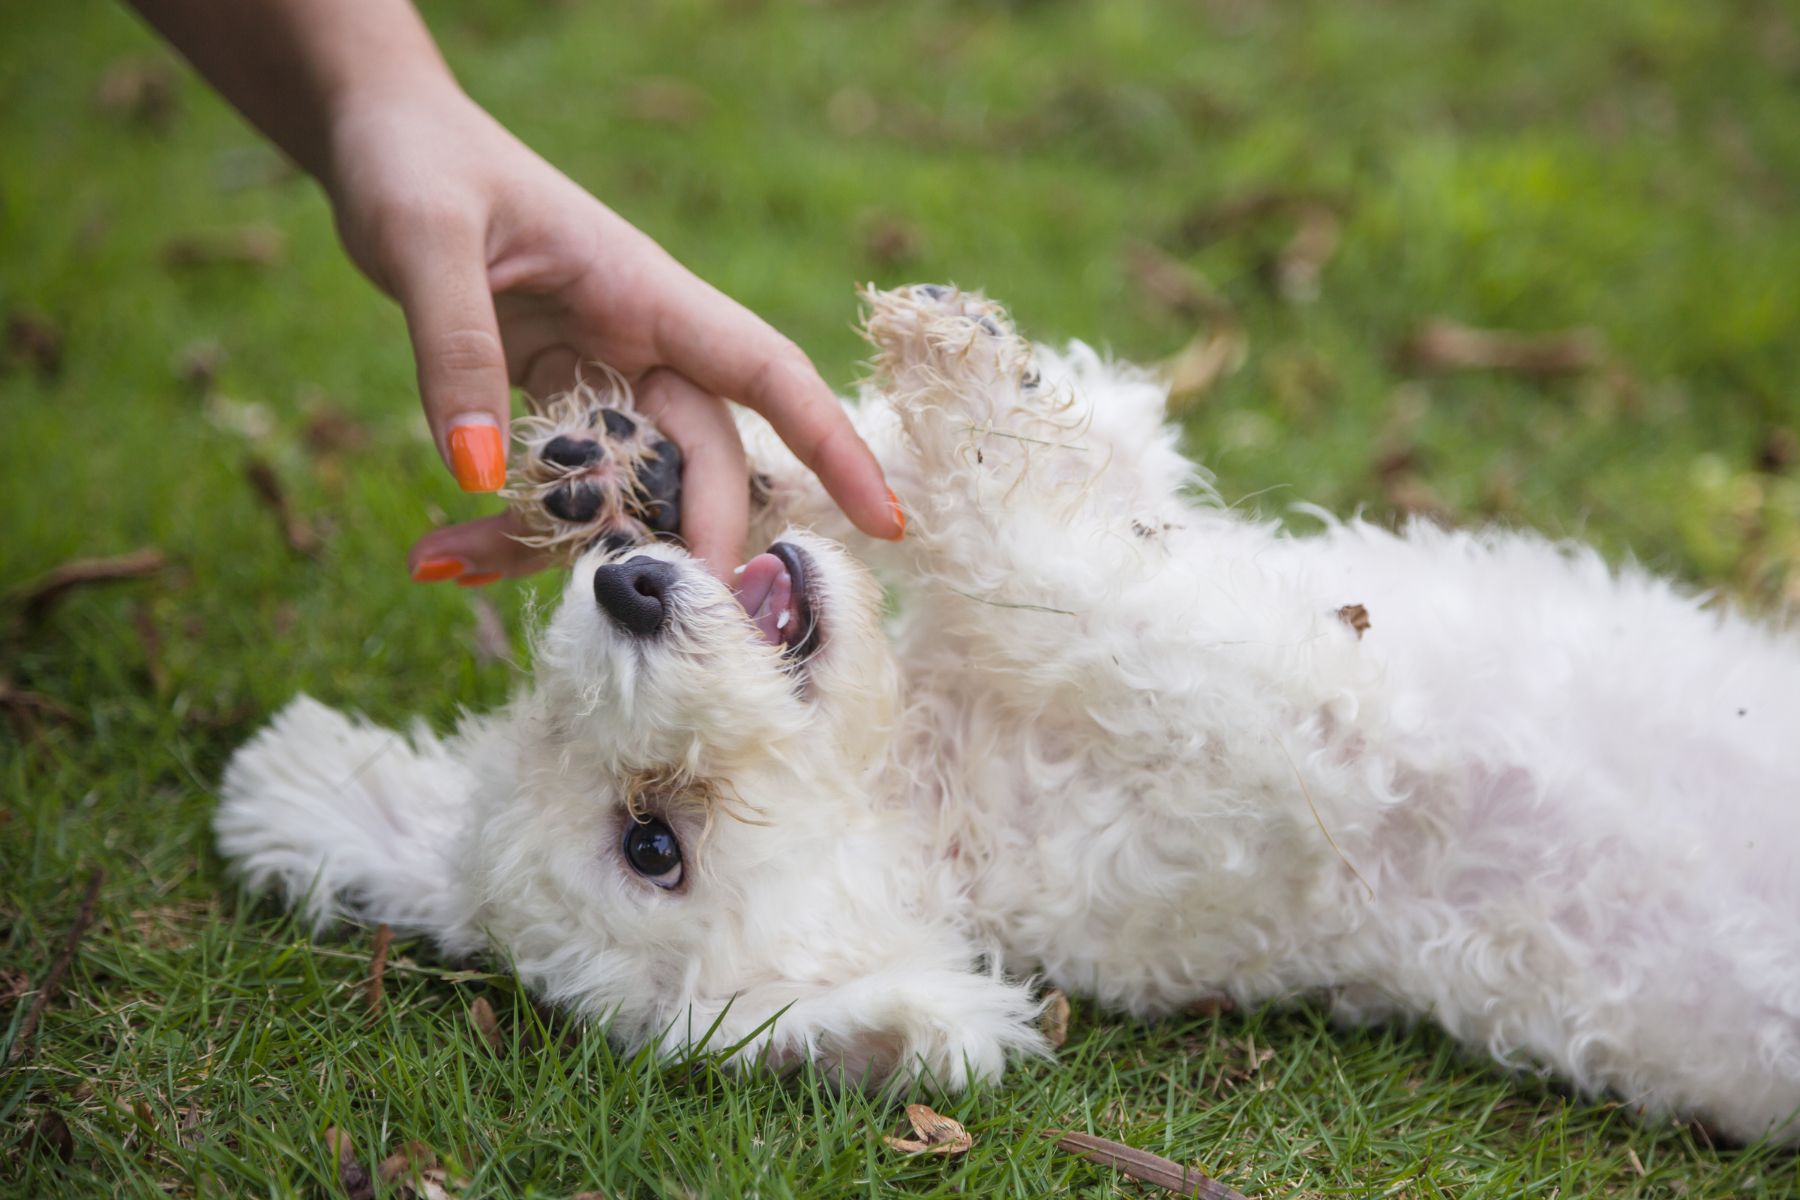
(509, 273)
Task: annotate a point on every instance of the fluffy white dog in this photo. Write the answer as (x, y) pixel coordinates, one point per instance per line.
(1118, 737)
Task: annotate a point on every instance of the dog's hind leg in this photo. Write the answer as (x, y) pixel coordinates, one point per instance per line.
(343, 818)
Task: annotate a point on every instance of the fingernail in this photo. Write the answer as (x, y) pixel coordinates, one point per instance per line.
(477, 453)
(899, 515)
(436, 570)
(482, 579)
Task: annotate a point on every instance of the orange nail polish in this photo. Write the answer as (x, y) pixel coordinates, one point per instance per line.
(478, 457)
(899, 514)
(481, 579)
(436, 570)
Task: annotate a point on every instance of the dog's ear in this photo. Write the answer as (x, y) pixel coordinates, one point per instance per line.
(344, 818)
(939, 1026)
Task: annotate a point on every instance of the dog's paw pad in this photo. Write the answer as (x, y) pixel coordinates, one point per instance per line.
(573, 453)
(577, 503)
(590, 472)
(659, 487)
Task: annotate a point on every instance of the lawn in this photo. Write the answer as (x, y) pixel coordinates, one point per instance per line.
(1306, 185)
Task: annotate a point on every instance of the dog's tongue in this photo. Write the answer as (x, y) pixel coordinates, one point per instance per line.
(767, 594)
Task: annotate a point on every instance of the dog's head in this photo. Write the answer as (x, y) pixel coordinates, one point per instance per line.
(703, 839)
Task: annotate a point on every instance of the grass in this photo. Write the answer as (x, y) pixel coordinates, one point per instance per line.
(1532, 165)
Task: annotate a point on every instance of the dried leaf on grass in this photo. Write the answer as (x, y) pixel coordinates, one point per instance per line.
(52, 1133)
(353, 1177)
(1780, 451)
(415, 1167)
(198, 364)
(37, 598)
(256, 246)
(296, 530)
(1356, 617)
(378, 956)
(1143, 1166)
(1055, 1019)
(1441, 345)
(481, 1016)
(889, 242)
(1301, 263)
(412, 1171)
(1192, 371)
(1406, 490)
(144, 91)
(1174, 286)
(332, 430)
(33, 340)
(1209, 1006)
(935, 1134)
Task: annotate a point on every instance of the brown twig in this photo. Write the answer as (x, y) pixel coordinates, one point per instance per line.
(21, 1047)
(384, 938)
(41, 595)
(1143, 1166)
(150, 639)
(296, 531)
(25, 707)
(1441, 345)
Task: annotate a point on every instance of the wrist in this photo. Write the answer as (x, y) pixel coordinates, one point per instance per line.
(381, 118)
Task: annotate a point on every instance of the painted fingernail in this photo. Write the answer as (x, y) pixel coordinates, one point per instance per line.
(480, 579)
(899, 515)
(436, 570)
(477, 453)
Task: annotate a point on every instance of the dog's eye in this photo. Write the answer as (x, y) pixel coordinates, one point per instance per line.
(653, 851)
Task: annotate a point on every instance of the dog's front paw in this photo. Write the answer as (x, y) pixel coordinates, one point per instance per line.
(945, 331)
(594, 470)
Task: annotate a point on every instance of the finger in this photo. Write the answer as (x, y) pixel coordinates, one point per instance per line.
(715, 480)
(441, 280)
(474, 552)
(728, 351)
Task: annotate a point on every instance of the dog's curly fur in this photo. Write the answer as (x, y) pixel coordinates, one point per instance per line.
(1118, 736)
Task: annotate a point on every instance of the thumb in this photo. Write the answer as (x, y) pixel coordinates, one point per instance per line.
(442, 285)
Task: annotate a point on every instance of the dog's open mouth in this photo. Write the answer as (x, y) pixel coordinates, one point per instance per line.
(776, 589)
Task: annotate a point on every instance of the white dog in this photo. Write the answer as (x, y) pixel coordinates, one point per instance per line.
(1118, 737)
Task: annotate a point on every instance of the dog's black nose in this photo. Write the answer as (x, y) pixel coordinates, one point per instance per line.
(635, 593)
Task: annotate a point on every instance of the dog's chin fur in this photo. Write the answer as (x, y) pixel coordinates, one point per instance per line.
(1118, 737)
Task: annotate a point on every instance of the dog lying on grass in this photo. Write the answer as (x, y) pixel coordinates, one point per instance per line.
(1118, 737)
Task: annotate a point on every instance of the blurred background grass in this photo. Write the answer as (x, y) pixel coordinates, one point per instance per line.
(1146, 176)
